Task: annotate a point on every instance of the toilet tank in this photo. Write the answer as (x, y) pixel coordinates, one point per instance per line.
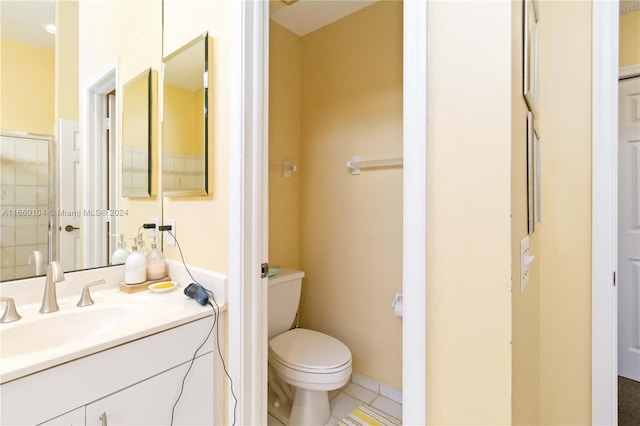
(284, 297)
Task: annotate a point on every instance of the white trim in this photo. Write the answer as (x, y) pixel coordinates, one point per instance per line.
(94, 172)
(604, 394)
(629, 71)
(247, 291)
(414, 349)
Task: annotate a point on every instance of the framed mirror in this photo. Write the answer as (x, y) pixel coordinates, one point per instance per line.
(138, 102)
(185, 125)
(56, 69)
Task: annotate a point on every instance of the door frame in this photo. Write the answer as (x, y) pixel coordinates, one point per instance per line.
(604, 237)
(248, 225)
(93, 143)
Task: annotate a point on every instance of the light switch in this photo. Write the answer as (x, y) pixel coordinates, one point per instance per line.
(525, 261)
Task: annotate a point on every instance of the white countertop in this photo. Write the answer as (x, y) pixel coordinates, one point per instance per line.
(154, 312)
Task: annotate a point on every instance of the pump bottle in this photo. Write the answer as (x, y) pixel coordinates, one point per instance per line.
(135, 267)
(156, 265)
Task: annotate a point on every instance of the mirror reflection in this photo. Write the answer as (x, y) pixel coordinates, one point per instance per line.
(137, 101)
(44, 95)
(185, 120)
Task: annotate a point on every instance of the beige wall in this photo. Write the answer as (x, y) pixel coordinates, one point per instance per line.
(27, 87)
(351, 226)
(565, 238)
(202, 222)
(525, 306)
(469, 199)
(67, 98)
(630, 39)
(285, 87)
(134, 31)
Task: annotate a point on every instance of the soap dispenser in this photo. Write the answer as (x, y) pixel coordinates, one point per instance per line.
(121, 253)
(135, 267)
(156, 265)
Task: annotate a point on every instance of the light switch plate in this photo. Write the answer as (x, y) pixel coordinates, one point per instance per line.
(525, 260)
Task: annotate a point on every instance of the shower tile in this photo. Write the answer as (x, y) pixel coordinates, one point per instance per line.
(7, 236)
(26, 235)
(26, 150)
(23, 253)
(8, 258)
(26, 173)
(42, 196)
(7, 172)
(42, 174)
(43, 234)
(27, 195)
(7, 148)
(7, 195)
(43, 152)
(7, 274)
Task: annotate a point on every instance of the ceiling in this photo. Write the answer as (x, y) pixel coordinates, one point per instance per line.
(305, 16)
(24, 20)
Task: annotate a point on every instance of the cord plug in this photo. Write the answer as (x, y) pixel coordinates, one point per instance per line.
(164, 228)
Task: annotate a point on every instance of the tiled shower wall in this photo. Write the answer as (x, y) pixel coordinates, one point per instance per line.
(135, 171)
(182, 171)
(24, 205)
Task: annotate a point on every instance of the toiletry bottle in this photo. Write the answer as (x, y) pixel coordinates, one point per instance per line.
(156, 266)
(135, 267)
(121, 253)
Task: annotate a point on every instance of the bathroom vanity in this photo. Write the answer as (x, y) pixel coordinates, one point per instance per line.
(129, 370)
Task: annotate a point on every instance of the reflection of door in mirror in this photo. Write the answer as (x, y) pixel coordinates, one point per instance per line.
(185, 116)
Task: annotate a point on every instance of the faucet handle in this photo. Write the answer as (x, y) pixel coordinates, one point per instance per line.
(85, 298)
(10, 313)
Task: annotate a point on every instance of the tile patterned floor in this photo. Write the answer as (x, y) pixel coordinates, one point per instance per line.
(343, 401)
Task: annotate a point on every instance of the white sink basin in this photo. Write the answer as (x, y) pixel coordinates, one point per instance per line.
(45, 332)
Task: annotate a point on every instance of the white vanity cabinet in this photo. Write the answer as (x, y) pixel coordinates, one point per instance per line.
(134, 383)
(73, 418)
(150, 402)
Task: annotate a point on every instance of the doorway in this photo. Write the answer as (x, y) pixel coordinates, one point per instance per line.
(342, 227)
(247, 321)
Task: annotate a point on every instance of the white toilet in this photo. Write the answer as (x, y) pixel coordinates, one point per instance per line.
(304, 365)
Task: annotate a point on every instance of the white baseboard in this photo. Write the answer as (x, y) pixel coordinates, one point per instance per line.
(373, 385)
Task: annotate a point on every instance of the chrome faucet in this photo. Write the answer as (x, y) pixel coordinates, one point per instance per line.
(54, 275)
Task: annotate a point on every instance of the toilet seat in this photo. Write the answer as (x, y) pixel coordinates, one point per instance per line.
(309, 351)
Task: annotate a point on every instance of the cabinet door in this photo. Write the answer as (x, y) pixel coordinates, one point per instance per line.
(72, 418)
(150, 402)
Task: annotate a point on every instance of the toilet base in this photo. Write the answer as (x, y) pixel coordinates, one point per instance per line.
(310, 408)
(317, 413)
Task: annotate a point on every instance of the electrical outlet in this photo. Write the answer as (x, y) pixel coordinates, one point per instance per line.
(525, 261)
(171, 240)
(154, 220)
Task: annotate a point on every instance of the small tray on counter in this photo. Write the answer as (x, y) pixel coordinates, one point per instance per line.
(135, 288)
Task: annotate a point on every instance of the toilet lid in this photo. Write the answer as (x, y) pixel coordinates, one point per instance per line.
(309, 350)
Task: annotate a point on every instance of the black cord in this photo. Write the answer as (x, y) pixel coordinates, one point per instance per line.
(216, 322)
(191, 365)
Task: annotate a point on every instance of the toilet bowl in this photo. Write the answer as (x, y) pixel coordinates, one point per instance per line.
(310, 362)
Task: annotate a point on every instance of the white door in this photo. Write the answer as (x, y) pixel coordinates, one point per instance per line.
(629, 229)
(70, 213)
